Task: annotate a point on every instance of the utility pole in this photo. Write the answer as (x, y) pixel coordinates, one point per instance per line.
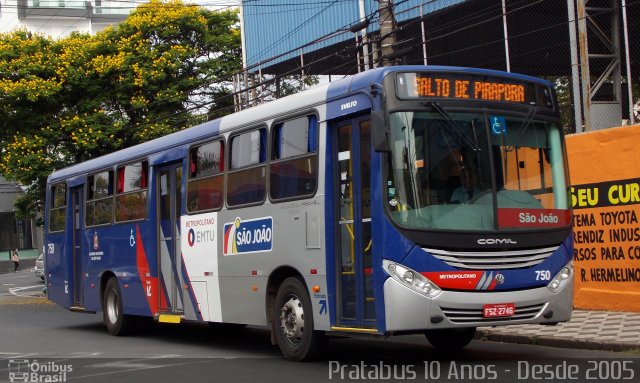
(363, 34)
(387, 32)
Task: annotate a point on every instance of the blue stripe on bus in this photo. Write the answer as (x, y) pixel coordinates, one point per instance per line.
(159, 145)
(329, 211)
(377, 236)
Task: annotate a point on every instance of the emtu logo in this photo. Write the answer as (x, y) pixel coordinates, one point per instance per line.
(200, 236)
(191, 237)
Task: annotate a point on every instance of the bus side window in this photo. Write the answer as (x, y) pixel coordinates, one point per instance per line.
(99, 207)
(294, 163)
(205, 185)
(58, 207)
(131, 199)
(246, 182)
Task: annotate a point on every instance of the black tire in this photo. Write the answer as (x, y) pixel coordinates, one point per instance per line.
(293, 323)
(112, 314)
(450, 340)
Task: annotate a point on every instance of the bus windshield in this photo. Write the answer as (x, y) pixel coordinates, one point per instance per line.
(475, 172)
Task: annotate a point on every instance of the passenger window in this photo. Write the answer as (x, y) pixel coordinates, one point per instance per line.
(58, 208)
(131, 198)
(99, 207)
(205, 186)
(246, 183)
(294, 165)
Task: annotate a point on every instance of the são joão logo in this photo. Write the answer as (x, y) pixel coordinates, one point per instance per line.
(250, 236)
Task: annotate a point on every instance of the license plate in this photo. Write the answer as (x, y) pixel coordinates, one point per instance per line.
(498, 310)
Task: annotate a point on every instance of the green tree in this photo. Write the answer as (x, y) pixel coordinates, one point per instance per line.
(65, 101)
(565, 101)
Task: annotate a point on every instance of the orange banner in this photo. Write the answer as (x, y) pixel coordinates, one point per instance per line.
(605, 195)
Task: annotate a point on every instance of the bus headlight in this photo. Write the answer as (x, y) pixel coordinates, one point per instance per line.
(561, 278)
(411, 279)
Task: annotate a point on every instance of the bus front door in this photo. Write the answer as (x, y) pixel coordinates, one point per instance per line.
(352, 158)
(169, 198)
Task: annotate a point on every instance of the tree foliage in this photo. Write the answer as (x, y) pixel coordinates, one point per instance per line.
(68, 100)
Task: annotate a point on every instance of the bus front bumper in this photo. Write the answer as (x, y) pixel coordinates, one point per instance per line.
(406, 310)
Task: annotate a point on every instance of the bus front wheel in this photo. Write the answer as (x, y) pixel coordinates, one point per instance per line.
(293, 322)
(117, 323)
(453, 339)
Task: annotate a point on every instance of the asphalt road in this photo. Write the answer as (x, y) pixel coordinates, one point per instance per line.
(76, 347)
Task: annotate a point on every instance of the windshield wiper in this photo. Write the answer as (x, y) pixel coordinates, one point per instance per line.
(436, 106)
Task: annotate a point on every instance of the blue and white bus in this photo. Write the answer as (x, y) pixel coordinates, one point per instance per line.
(407, 199)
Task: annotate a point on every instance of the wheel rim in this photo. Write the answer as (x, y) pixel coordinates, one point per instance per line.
(112, 306)
(292, 320)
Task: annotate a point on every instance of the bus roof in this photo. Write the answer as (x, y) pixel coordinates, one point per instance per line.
(273, 109)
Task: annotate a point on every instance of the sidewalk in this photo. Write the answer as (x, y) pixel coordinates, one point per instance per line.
(6, 266)
(593, 330)
(24, 254)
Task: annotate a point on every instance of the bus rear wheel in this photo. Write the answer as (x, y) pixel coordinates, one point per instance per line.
(450, 340)
(112, 314)
(293, 322)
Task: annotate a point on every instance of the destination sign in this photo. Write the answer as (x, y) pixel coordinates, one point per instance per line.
(465, 87)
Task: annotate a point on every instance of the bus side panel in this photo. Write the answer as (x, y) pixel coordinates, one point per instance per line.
(297, 229)
(117, 249)
(59, 259)
(58, 269)
(244, 273)
(200, 234)
(378, 237)
(330, 217)
(388, 243)
(127, 250)
(134, 259)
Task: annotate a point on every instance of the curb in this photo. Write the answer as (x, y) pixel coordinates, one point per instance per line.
(559, 342)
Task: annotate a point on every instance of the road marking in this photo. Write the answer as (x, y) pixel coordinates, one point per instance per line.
(80, 354)
(16, 290)
(18, 355)
(133, 362)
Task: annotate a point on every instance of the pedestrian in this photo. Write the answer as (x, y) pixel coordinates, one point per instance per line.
(16, 260)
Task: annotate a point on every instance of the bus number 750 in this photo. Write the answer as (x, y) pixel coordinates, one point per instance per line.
(543, 275)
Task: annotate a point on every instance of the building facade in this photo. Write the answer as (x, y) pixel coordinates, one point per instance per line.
(14, 232)
(58, 18)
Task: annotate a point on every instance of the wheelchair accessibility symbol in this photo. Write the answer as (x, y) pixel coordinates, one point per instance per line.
(498, 125)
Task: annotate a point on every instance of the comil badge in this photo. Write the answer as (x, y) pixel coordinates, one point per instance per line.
(248, 236)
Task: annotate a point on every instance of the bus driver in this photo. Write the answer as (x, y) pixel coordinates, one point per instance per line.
(468, 188)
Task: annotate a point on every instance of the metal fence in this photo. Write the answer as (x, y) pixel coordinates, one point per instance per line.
(588, 48)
